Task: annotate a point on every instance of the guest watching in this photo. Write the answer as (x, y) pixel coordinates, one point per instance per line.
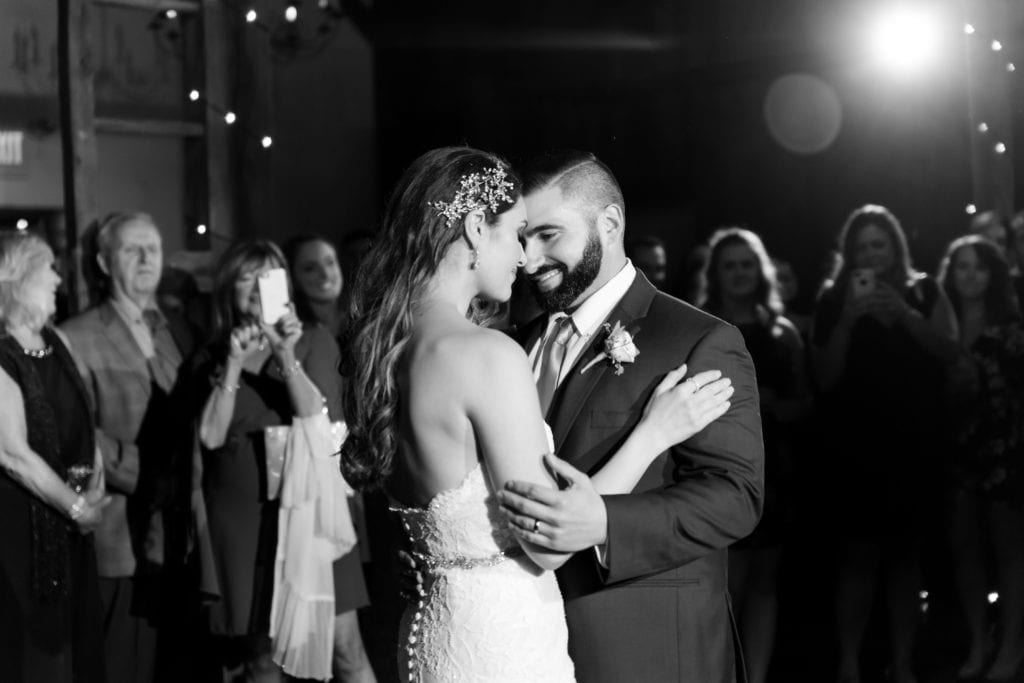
(988, 465)
(881, 335)
(51, 484)
(254, 375)
(741, 289)
(648, 254)
(128, 353)
(313, 262)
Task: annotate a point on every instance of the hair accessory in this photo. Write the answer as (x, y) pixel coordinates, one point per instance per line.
(476, 191)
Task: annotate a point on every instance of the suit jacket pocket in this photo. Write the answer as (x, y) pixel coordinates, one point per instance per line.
(613, 419)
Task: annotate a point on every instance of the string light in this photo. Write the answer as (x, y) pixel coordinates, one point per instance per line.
(971, 209)
(193, 95)
(1000, 148)
(200, 229)
(22, 224)
(1010, 67)
(968, 29)
(250, 16)
(996, 46)
(266, 141)
(230, 118)
(291, 13)
(982, 127)
(171, 14)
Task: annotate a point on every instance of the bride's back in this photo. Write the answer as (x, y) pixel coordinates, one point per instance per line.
(437, 447)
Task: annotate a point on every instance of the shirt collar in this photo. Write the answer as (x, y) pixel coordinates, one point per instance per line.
(597, 307)
(130, 311)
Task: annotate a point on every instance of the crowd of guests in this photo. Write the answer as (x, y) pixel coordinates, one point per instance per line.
(141, 524)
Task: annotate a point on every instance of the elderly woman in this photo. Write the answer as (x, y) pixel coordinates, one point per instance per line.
(51, 485)
(882, 334)
(256, 376)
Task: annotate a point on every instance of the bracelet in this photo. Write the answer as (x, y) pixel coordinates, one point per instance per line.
(228, 388)
(291, 370)
(77, 509)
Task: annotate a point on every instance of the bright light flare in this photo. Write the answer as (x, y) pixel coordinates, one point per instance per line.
(905, 40)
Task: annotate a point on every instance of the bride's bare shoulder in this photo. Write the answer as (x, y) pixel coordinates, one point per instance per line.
(469, 349)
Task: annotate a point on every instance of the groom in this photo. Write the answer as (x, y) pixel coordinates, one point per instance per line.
(646, 596)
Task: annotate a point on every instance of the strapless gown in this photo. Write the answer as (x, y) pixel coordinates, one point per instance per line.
(487, 613)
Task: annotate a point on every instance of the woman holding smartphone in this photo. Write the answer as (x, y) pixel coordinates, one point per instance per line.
(253, 375)
(879, 352)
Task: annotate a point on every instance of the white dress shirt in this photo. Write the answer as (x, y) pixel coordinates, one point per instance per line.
(588, 319)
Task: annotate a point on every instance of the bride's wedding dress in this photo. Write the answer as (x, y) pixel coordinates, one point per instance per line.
(487, 612)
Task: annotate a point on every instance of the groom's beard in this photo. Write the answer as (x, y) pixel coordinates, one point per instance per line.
(574, 282)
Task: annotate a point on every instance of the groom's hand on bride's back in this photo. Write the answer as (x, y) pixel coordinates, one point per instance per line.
(568, 520)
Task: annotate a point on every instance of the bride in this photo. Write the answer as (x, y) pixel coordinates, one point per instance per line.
(442, 412)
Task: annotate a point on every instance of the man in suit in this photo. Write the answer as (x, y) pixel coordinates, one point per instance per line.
(128, 353)
(646, 593)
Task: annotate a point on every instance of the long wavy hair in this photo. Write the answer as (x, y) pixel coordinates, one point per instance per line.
(240, 258)
(413, 240)
(884, 220)
(766, 296)
(1000, 298)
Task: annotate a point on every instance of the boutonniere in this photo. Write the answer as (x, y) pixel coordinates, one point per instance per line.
(618, 348)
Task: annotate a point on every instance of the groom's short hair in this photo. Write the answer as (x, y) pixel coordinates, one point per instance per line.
(580, 176)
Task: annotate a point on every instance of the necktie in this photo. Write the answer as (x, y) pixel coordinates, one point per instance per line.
(552, 357)
(163, 365)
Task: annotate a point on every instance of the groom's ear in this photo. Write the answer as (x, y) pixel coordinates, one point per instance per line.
(611, 221)
(473, 227)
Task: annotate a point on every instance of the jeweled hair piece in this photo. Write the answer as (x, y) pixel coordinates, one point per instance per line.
(488, 189)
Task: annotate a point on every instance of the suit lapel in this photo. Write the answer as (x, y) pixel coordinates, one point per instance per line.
(580, 384)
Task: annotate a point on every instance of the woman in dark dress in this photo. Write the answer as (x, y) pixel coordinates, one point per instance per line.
(879, 351)
(50, 626)
(250, 377)
(988, 462)
(741, 289)
(313, 263)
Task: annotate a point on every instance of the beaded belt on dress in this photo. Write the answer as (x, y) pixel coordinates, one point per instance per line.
(440, 563)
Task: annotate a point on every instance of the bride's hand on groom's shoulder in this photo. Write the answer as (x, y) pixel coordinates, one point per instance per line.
(679, 409)
(567, 520)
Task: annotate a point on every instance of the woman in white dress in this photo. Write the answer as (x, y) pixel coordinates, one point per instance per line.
(442, 412)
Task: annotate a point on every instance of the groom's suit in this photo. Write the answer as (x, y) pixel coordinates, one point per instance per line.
(659, 608)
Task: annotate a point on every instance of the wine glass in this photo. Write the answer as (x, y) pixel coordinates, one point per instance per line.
(78, 477)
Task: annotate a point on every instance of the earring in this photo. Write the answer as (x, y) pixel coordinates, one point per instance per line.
(476, 260)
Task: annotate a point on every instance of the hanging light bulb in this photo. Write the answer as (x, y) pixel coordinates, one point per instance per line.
(969, 29)
(1000, 148)
(982, 127)
(266, 141)
(291, 13)
(230, 117)
(250, 16)
(193, 95)
(996, 46)
(971, 209)
(200, 229)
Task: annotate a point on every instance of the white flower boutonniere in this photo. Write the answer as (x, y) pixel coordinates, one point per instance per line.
(618, 348)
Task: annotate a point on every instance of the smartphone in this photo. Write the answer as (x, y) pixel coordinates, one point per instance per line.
(274, 297)
(862, 281)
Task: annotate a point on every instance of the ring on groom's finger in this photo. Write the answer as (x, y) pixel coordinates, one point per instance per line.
(536, 526)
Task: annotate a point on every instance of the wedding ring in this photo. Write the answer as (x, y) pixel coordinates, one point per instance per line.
(536, 526)
(696, 385)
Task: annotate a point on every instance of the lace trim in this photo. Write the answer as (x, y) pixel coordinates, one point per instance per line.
(436, 563)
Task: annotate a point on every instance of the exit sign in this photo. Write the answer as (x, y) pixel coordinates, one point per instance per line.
(11, 145)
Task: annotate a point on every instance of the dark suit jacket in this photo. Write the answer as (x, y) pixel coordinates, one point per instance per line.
(660, 610)
(131, 422)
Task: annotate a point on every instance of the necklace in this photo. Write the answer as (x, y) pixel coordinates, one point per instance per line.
(44, 352)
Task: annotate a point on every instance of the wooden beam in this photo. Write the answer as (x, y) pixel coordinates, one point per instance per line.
(78, 138)
(185, 129)
(219, 41)
(186, 6)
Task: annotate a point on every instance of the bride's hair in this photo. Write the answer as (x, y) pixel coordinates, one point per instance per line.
(408, 249)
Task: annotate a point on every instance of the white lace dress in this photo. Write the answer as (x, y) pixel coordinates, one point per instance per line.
(487, 613)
